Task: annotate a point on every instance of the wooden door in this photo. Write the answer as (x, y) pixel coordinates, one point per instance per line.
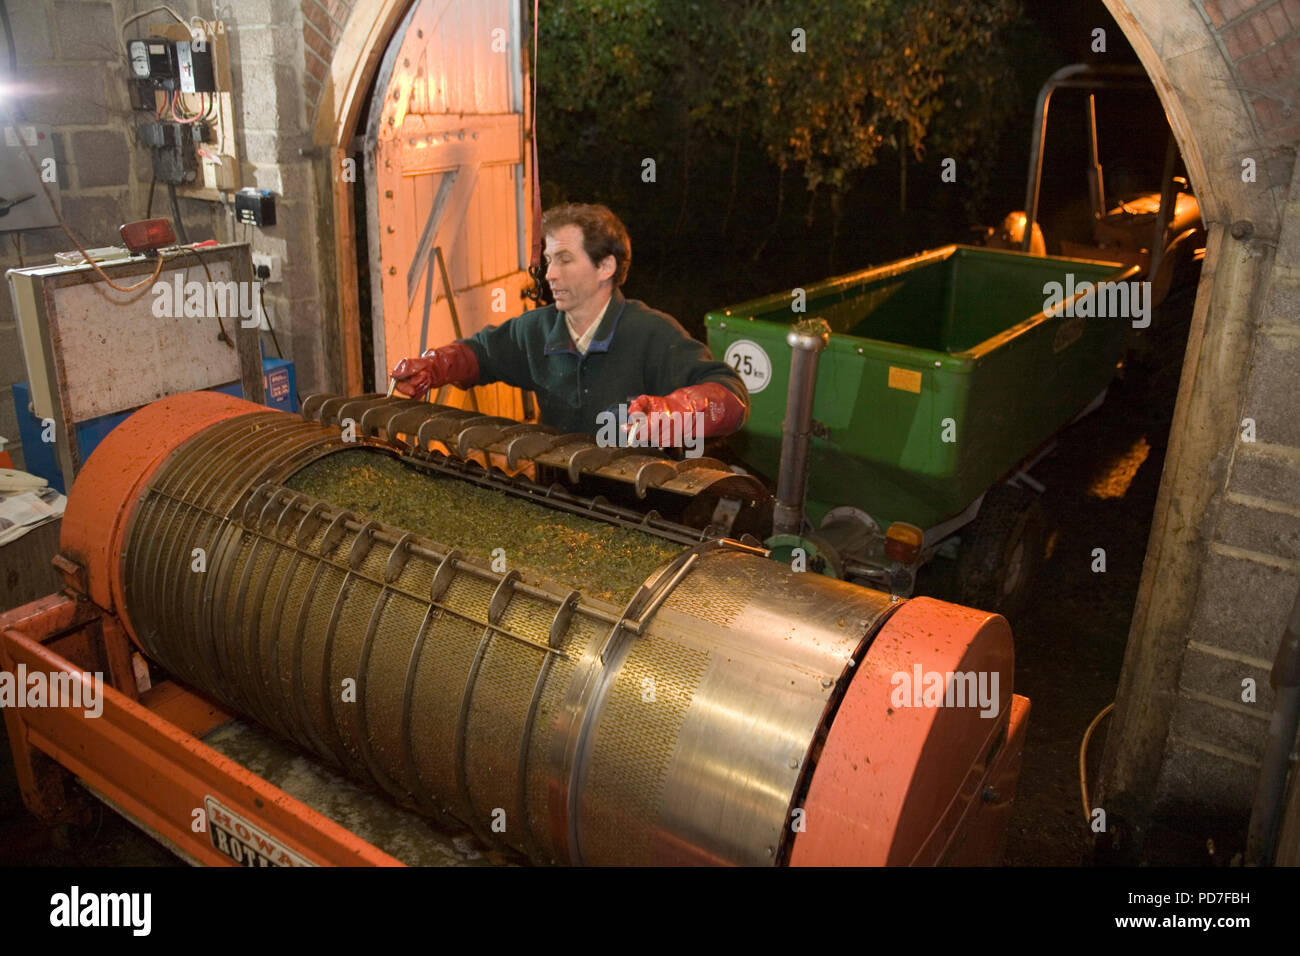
(445, 156)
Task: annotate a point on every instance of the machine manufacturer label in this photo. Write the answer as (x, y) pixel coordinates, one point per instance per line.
(245, 843)
(905, 379)
(751, 364)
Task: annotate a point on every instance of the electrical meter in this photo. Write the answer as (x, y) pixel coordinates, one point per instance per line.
(153, 60)
(138, 53)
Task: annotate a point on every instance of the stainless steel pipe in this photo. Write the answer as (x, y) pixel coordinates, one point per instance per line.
(806, 339)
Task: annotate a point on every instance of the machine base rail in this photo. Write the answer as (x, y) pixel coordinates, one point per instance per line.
(144, 756)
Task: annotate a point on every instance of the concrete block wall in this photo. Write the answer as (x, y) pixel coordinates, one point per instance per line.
(272, 126)
(73, 77)
(1249, 569)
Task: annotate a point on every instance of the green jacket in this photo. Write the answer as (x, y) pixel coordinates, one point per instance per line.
(636, 351)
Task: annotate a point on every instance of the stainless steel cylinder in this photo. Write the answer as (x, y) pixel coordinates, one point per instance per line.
(677, 729)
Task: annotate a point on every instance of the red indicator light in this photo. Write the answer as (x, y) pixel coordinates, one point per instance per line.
(148, 234)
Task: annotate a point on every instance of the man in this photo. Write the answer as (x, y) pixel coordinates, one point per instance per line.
(593, 349)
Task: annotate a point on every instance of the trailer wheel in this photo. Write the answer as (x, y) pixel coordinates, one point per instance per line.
(1000, 551)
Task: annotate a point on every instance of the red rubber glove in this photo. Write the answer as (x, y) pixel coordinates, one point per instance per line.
(454, 364)
(723, 411)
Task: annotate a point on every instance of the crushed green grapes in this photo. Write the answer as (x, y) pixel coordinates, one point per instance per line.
(602, 560)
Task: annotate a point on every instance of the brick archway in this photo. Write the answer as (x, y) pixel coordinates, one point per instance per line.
(343, 44)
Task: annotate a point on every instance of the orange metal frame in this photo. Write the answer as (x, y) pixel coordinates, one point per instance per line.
(142, 754)
(890, 786)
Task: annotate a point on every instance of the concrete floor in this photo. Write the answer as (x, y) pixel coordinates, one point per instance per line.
(1070, 640)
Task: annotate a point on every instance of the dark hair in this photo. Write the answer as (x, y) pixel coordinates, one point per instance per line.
(603, 233)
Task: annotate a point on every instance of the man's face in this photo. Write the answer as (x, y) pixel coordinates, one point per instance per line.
(575, 281)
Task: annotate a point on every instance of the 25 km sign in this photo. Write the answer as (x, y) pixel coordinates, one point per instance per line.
(751, 364)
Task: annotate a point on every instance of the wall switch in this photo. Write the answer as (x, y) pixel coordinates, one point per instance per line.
(271, 262)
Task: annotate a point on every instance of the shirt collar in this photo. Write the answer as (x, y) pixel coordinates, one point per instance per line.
(559, 339)
(583, 342)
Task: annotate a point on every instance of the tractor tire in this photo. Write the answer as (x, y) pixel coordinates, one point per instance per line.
(1000, 550)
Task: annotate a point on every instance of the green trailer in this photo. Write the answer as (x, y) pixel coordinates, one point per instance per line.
(937, 380)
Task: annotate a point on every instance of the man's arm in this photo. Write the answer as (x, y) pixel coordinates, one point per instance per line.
(675, 360)
(502, 353)
(684, 377)
(494, 354)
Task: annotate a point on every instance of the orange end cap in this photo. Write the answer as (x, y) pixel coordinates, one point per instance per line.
(887, 787)
(104, 494)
